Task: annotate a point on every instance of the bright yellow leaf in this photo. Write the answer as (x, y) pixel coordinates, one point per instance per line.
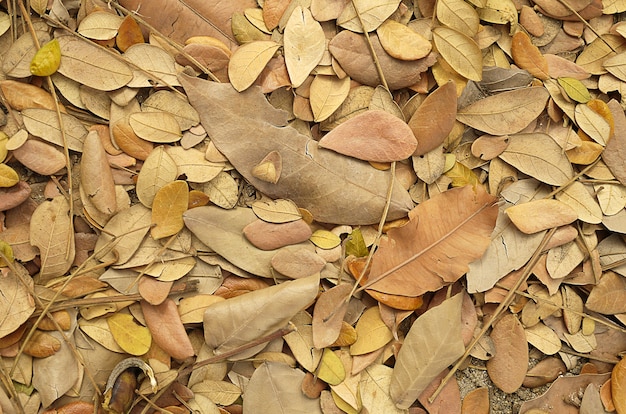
(324, 239)
(129, 335)
(47, 59)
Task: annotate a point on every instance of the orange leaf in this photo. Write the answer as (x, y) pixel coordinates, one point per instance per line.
(434, 248)
(128, 34)
(167, 329)
(507, 369)
(527, 56)
(618, 386)
(169, 204)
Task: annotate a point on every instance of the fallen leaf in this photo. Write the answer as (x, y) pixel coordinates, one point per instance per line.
(276, 211)
(237, 321)
(222, 190)
(151, 65)
(415, 369)
(96, 177)
(330, 369)
(128, 33)
(248, 61)
(618, 387)
(129, 335)
(171, 103)
(327, 94)
(507, 368)
(593, 124)
(304, 45)
(8, 176)
(158, 127)
(269, 168)
(458, 15)
(476, 402)
(44, 123)
(401, 42)
(527, 56)
(406, 263)
(100, 25)
(16, 61)
(271, 236)
(158, 170)
(328, 314)
(608, 296)
(325, 239)
(372, 136)
(372, 333)
(15, 303)
(460, 52)
(123, 234)
(167, 330)
(546, 370)
(354, 204)
(297, 264)
(575, 89)
(539, 215)
(169, 204)
(505, 113)
(47, 59)
(374, 385)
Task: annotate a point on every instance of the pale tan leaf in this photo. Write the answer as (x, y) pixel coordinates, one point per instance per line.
(167, 329)
(159, 65)
(458, 15)
(191, 309)
(20, 95)
(401, 42)
(611, 198)
(580, 342)
(372, 12)
(100, 25)
(87, 64)
(593, 124)
(297, 264)
(44, 123)
(220, 392)
(373, 136)
(304, 45)
(96, 177)
(539, 156)
(169, 204)
(615, 151)
(276, 211)
(222, 190)
(563, 259)
(538, 215)
(98, 330)
(237, 321)
(434, 118)
(578, 197)
(123, 234)
(192, 163)
(460, 52)
(373, 380)
(168, 101)
(505, 113)
(414, 368)
(407, 262)
(16, 61)
(157, 170)
(609, 295)
(51, 230)
(543, 338)
(16, 304)
(275, 387)
(301, 342)
(269, 168)
(596, 53)
(328, 315)
(248, 61)
(508, 366)
(327, 94)
(57, 374)
(158, 127)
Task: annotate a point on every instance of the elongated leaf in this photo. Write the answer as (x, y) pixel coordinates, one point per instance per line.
(96, 177)
(461, 52)
(615, 151)
(527, 56)
(44, 123)
(539, 156)
(168, 207)
(304, 45)
(167, 329)
(51, 230)
(505, 113)
(158, 170)
(332, 187)
(239, 320)
(507, 368)
(458, 15)
(426, 254)
(427, 350)
(248, 61)
(86, 63)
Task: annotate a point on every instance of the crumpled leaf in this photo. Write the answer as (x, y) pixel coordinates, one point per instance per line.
(242, 319)
(427, 350)
(426, 254)
(52, 231)
(339, 197)
(505, 113)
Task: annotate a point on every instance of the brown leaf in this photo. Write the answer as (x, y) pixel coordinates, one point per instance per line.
(297, 264)
(129, 142)
(508, 366)
(20, 95)
(42, 345)
(374, 135)
(43, 158)
(96, 177)
(128, 34)
(609, 295)
(234, 286)
(341, 198)
(273, 10)
(539, 215)
(527, 56)
(328, 314)
(615, 151)
(269, 168)
(15, 302)
(618, 386)
(476, 402)
(353, 54)
(547, 370)
(271, 236)
(411, 261)
(434, 118)
(11, 197)
(167, 329)
(152, 290)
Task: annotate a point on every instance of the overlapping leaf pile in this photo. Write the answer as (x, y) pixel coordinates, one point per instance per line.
(193, 191)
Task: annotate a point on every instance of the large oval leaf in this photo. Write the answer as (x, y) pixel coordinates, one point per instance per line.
(248, 61)
(461, 52)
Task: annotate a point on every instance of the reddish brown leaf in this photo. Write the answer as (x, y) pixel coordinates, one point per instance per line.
(507, 368)
(167, 330)
(373, 135)
(128, 34)
(271, 236)
(527, 56)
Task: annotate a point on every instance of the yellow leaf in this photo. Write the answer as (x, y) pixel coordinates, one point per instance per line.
(401, 42)
(461, 175)
(327, 94)
(324, 239)
(47, 59)
(459, 15)
(129, 335)
(584, 154)
(575, 89)
(460, 52)
(372, 333)
(331, 369)
(8, 176)
(7, 253)
(248, 61)
(170, 202)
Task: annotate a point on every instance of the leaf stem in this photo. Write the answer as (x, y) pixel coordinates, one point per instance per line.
(379, 68)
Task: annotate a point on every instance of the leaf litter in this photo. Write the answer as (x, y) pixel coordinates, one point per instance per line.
(323, 206)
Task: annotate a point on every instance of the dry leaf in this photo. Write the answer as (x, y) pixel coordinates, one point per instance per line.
(129, 142)
(616, 147)
(154, 65)
(276, 211)
(372, 333)
(15, 303)
(371, 12)
(593, 124)
(129, 335)
(192, 163)
(237, 321)
(304, 45)
(458, 15)
(401, 42)
(618, 387)
(460, 220)
(414, 368)
(505, 113)
(434, 118)
(51, 230)
(16, 61)
(248, 61)
(476, 402)
(222, 190)
(328, 315)
(129, 33)
(167, 329)
(158, 170)
(352, 52)
(43, 158)
(123, 234)
(44, 123)
(271, 236)
(158, 127)
(297, 264)
(373, 136)
(508, 366)
(327, 94)
(47, 59)
(460, 52)
(269, 168)
(609, 295)
(539, 156)
(527, 56)
(100, 25)
(169, 204)
(222, 116)
(538, 215)
(96, 177)
(374, 379)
